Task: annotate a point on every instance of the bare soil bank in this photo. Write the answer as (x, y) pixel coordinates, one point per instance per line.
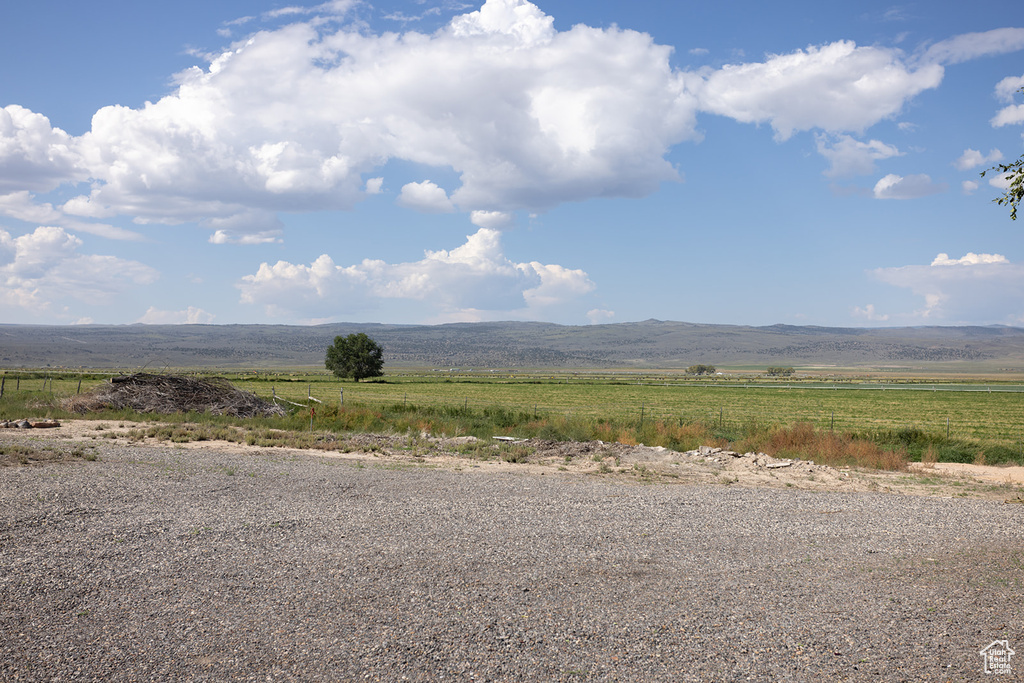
(607, 460)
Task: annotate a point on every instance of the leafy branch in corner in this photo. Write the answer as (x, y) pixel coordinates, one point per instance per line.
(1015, 174)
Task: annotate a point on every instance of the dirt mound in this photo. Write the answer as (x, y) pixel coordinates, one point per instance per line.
(148, 393)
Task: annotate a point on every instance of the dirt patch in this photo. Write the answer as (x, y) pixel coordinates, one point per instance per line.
(30, 454)
(642, 464)
(1003, 474)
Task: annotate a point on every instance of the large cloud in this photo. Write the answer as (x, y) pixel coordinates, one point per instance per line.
(297, 118)
(34, 156)
(973, 289)
(475, 277)
(839, 87)
(306, 117)
(42, 270)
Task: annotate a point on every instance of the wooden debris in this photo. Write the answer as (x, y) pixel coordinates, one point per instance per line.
(147, 393)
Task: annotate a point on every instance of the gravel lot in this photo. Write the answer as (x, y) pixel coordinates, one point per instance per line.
(157, 563)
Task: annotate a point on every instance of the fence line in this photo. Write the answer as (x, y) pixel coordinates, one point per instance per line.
(721, 416)
(645, 408)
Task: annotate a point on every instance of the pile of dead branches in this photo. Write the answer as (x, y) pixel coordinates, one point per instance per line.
(148, 393)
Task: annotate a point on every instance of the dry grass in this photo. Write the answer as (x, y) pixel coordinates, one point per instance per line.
(13, 455)
(803, 441)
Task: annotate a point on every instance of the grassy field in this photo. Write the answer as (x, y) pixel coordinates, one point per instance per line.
(960, 421)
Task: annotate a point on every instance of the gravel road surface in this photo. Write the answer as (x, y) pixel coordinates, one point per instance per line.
(156, 563)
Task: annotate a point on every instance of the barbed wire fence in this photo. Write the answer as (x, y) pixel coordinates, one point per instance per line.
(721, 415)
(731, 412)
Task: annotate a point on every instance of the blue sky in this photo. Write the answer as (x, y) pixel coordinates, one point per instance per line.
(416, 161)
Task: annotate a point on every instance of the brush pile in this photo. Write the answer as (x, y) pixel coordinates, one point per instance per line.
(148, 393)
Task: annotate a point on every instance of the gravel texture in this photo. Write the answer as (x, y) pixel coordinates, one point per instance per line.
(158, 563)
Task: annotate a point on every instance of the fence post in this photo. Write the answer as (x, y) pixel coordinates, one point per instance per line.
(2, 381)
(341, 396)
(77, 391)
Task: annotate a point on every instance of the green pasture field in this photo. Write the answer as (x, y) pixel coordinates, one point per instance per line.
(989, 412)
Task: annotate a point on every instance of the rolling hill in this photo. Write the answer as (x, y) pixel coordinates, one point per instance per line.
(647, 344)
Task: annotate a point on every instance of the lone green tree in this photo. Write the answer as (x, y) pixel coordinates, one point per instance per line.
(1014, 174)
(355, 356)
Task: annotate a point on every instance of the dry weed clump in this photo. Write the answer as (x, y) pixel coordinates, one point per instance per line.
(167, 394)
(828, 448)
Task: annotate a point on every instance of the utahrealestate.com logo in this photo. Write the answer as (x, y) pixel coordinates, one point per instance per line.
(997, 657)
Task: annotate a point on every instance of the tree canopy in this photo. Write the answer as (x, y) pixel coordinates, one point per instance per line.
(355, 356)
(1015, 192)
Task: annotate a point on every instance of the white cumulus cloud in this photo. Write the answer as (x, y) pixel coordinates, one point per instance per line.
(35, 156)
(23, 206)
(974, 289)
(297, 118)
(303, 117)
(839, 87)
(246, 238)
(1007, 88)
(470, 281)
(969, 259)
(972, 158)
(869, 313)
(895, 186)
(426, 197)
(189, 316)
(42, 270)
(849, 157)
(491, 219)
(1008, 116)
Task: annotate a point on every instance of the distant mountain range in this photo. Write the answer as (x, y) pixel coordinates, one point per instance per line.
(647, 344)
